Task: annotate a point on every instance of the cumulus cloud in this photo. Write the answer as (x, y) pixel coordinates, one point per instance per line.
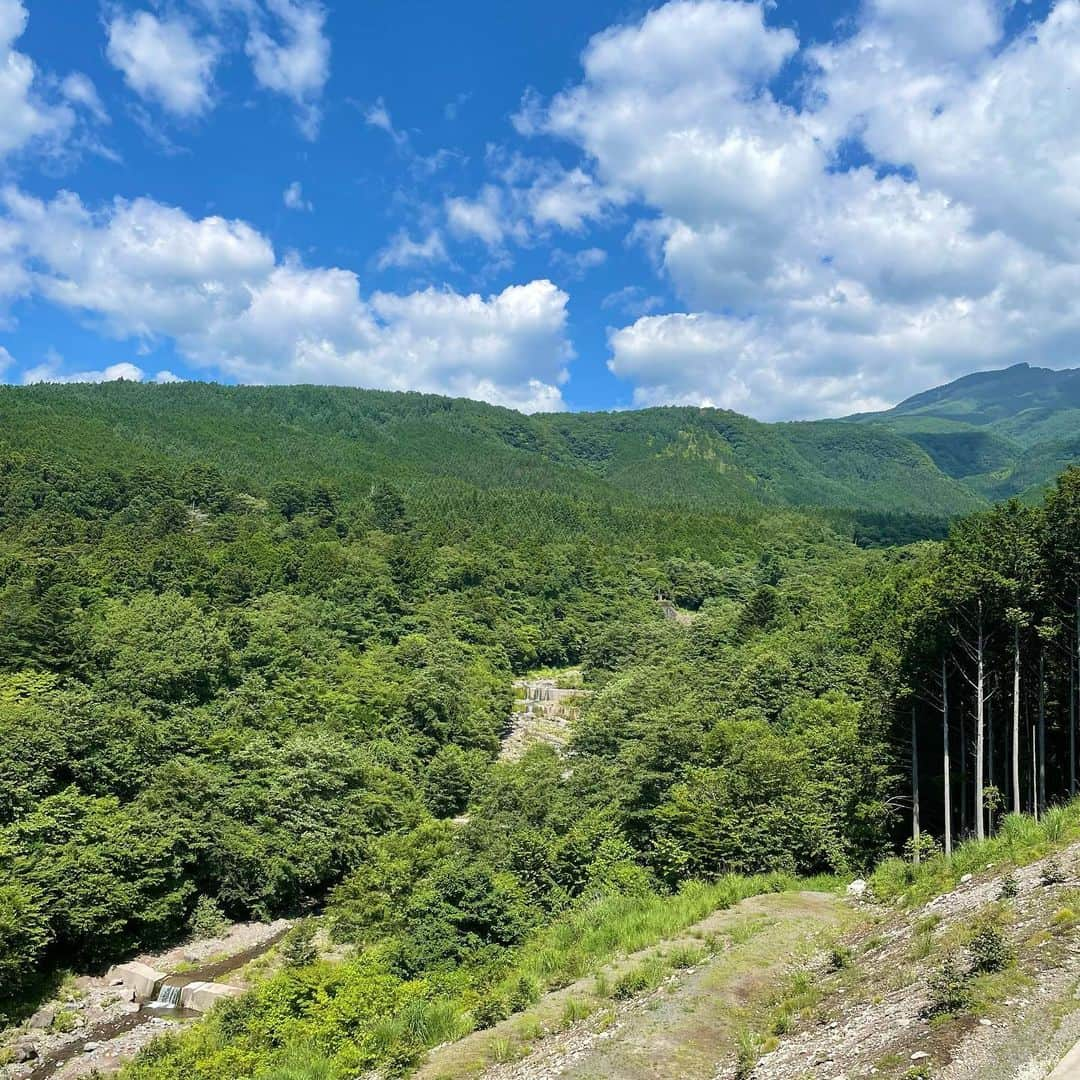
(217, 289)
(164, 60)
(290, 55)
(814, 284)
(26, 117)
(50, 372)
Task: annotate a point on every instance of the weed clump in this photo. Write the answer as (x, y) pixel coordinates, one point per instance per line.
(1053, 873)
(1010, 886)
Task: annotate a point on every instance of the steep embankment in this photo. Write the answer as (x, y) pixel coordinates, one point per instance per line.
(977, 983)
(673, 1009)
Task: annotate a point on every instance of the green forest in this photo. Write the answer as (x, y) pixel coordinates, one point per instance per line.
(257, 649)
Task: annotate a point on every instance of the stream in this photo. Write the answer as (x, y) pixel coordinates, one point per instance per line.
(108, 1031)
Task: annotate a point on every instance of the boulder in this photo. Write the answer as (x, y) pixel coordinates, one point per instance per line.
(141, 978)
(22, 1050)
(43, 1019)
(857, 889)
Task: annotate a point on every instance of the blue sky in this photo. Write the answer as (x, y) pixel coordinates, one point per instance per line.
(792, 209)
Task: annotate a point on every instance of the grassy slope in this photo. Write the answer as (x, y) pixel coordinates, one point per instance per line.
(258, 435)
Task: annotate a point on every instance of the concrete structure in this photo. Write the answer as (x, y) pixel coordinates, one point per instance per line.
(203, 996)
(141, 978)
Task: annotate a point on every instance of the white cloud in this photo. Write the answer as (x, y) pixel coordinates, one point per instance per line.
(293, 198)
(216, 288)
(290, 55)
(484, 218)
(79, 89)
(49, 372)
(25, 116)
(576, 264)
(378, 116)
(403, 250)
(164, 60)
(814, 287)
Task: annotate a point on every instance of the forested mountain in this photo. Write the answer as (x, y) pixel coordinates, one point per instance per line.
(1001, 433)
(704, 458)
(256, 655)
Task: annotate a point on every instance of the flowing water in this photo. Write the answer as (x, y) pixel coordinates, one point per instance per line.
(166, 1006)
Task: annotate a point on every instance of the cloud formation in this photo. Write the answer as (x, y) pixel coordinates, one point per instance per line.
(913, 215)
(217, 289)
(164, 60)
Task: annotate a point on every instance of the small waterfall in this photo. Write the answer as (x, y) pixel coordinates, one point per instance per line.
(168, 997)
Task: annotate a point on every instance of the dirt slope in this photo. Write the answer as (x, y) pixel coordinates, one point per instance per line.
(683, 1028)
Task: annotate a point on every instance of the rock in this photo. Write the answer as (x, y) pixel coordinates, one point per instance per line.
(857, 889)
(919, 1055)
(116, 982)
(985, 1022)
(965, 879)
(22, 1050)
(43, 1019)
(84, 982)
(90, 1047)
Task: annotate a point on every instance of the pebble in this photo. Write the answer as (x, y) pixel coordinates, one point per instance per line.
(965, 879)
(919, 1055)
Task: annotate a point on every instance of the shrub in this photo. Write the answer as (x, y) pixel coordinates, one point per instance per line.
(298, 945)
(1010, 886)
(207, 920)
(950, 990)
(489, 1010)
(989, 949)
(525, 993)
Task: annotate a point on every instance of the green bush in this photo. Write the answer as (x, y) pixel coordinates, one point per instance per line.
(949, 989)
(989, 948)
(207, 920)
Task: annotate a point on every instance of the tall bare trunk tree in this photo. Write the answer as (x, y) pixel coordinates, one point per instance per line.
(945, 749)
(1016, 719)
(915, 854)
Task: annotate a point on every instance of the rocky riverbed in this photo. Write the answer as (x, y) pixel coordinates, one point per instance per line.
(94, 1024)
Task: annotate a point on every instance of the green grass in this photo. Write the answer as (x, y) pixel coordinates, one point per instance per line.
(581, 942)
(1021, 840)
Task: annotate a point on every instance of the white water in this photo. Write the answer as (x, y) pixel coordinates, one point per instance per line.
(168, 998)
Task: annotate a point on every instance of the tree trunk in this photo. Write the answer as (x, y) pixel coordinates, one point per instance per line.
(980, 721)
(1074, 670)
(1034, 778)
(1016, 721)
(963, 774)
(1042, 731)
(914, 789)
(990, 760)
(945, 748)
